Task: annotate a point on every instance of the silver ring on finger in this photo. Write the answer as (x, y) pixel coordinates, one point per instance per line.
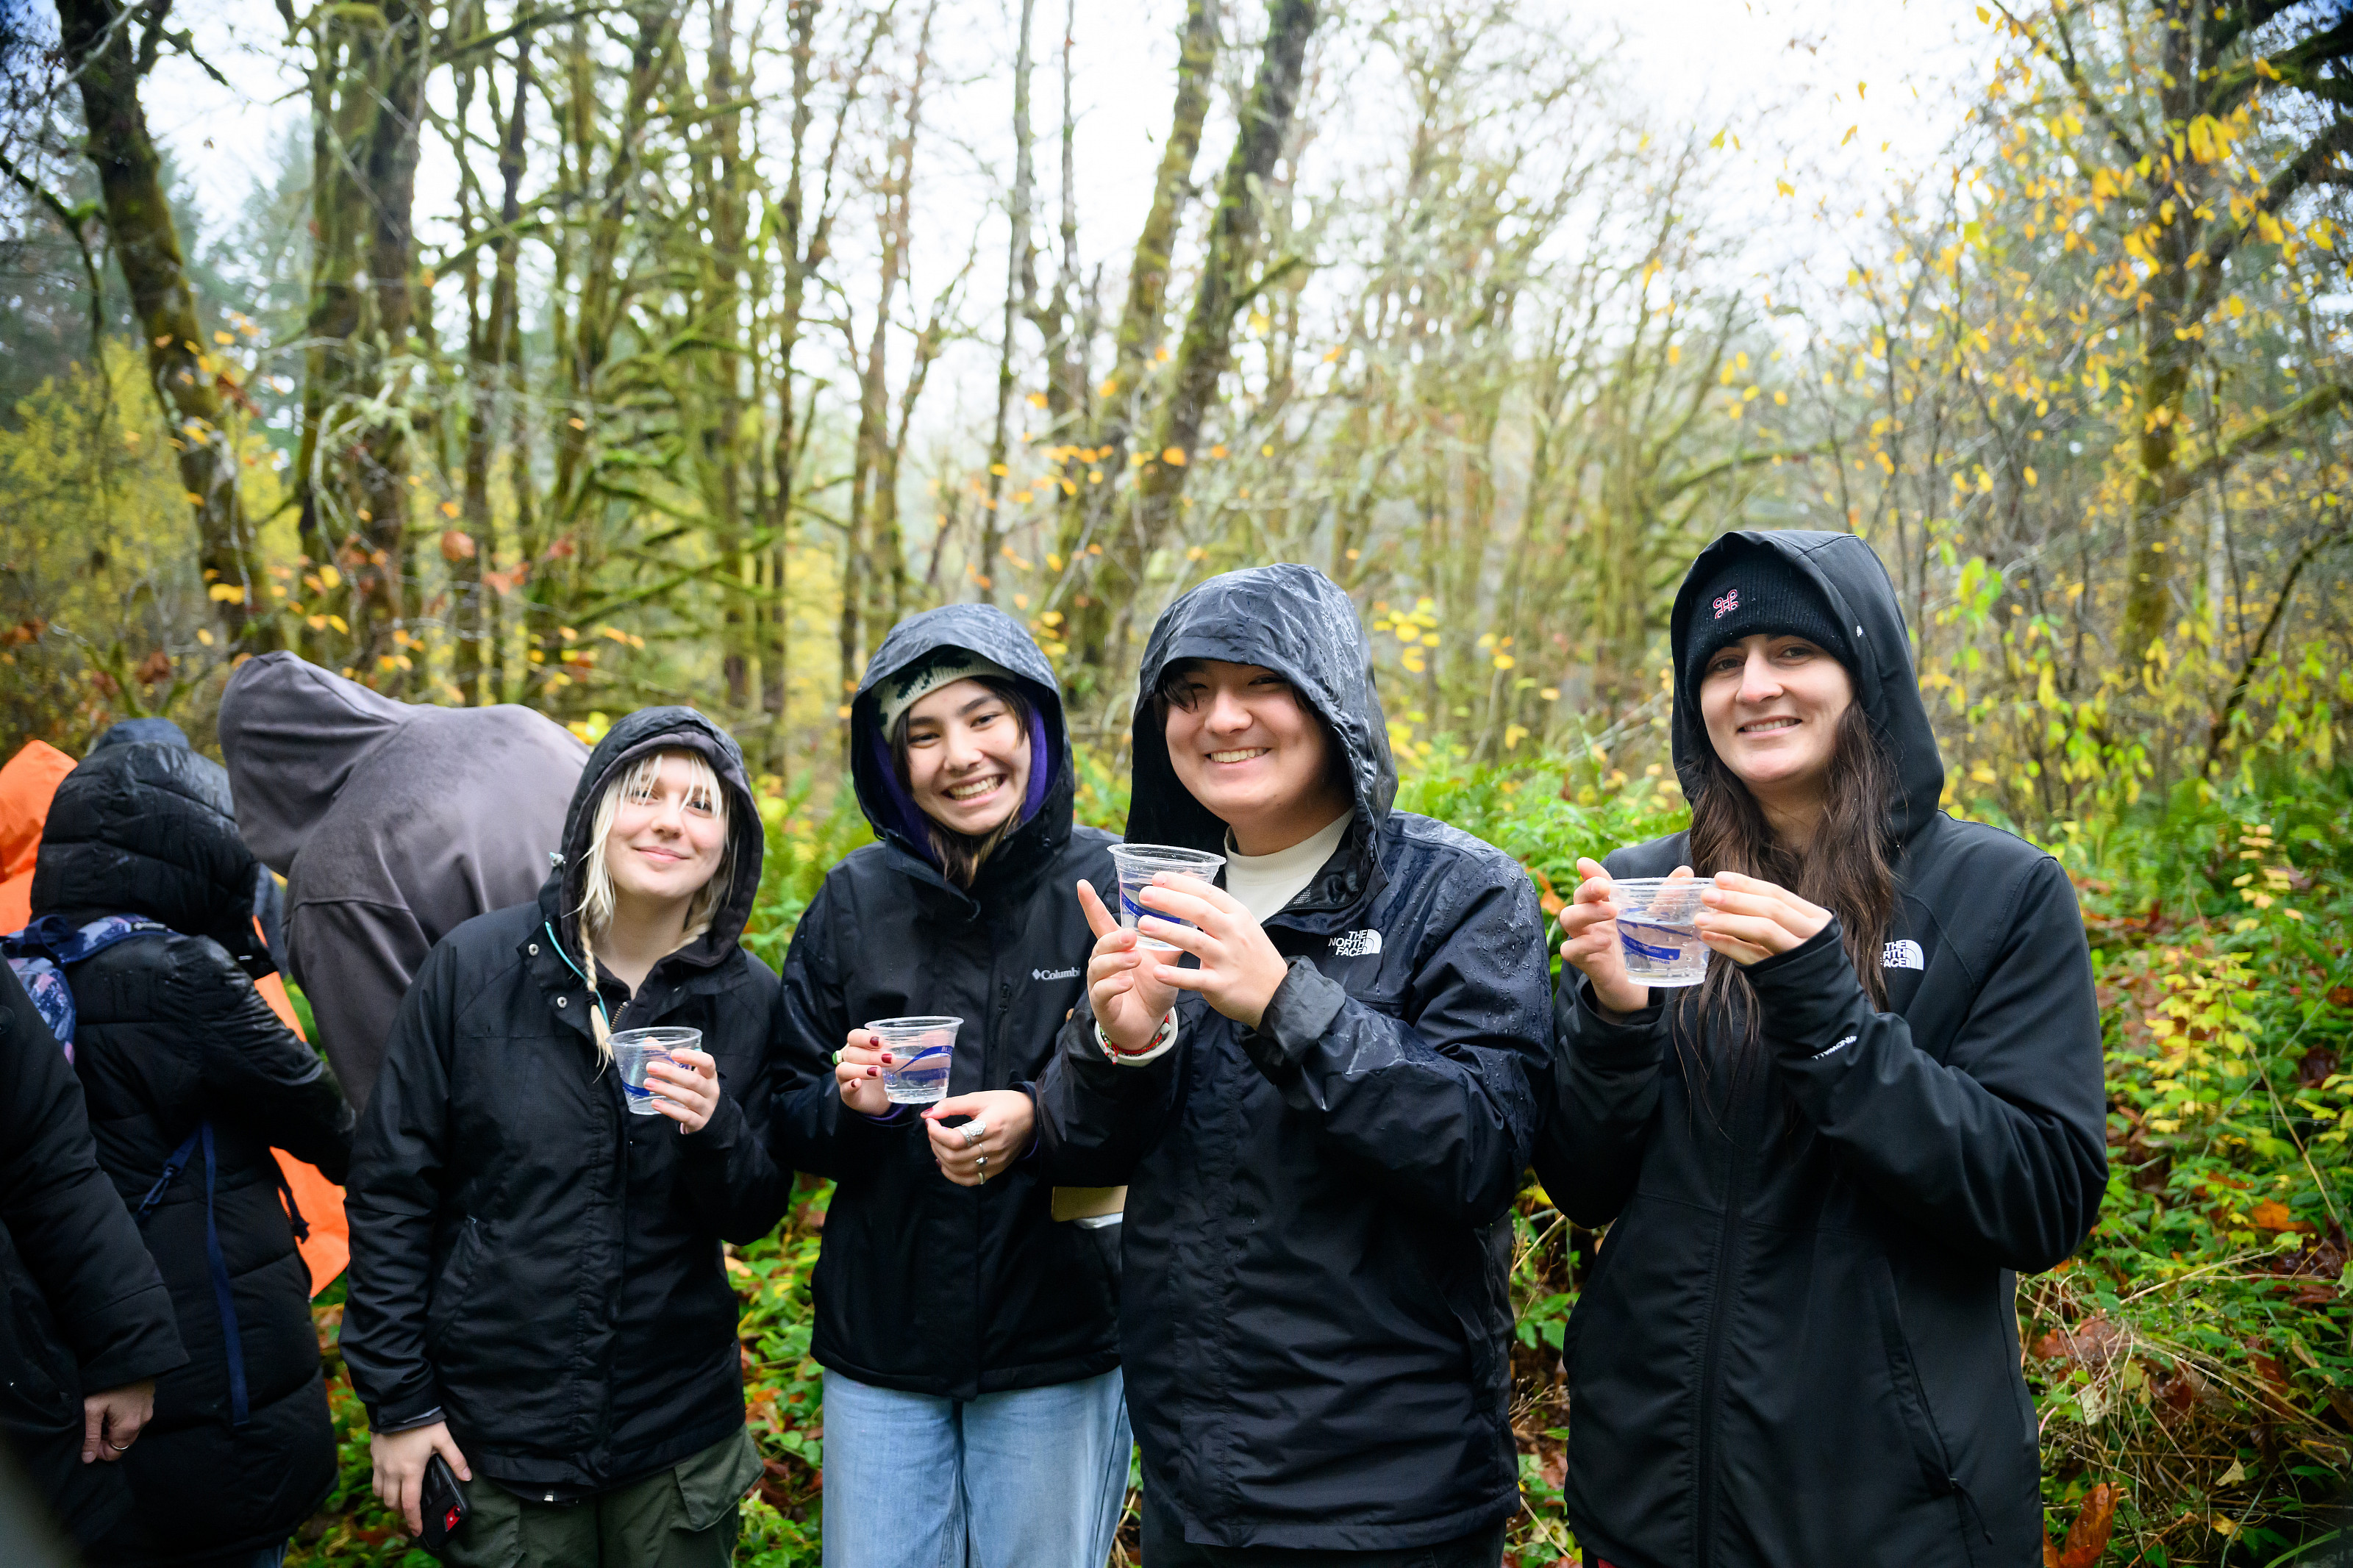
(118, 1448)
(973, 1132)
(981, 1165)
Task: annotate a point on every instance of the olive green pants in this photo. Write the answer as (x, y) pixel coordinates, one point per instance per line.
(684, 1517)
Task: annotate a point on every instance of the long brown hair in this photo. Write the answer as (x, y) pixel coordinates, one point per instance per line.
(1848, 867)
(962, 855)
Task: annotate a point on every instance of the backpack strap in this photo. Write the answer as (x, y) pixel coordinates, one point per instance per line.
(224, 1299)
(40, 954)
(294, 1210)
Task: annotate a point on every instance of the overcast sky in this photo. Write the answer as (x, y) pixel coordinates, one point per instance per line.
(1790, 79)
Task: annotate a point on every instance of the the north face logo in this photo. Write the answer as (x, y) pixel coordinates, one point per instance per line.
(1903, 954)
(1357, 944)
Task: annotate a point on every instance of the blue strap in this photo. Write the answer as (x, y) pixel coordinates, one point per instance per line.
(239, 1410)
(593, 994)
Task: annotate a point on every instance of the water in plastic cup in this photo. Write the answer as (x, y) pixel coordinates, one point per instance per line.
(1139, 863)
(635, 1049)
(1656, 929)
(922, 1051)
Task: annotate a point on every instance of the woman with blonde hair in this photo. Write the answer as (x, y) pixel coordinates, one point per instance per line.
(538, 1296)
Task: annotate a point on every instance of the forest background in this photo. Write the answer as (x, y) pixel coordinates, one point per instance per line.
(594, 355)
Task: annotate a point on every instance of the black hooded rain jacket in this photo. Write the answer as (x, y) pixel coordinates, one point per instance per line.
(924, 1286)
(1315, 1319)
(529, 1261)
(1799, 1343)
(82, 1307)
(171, 1035)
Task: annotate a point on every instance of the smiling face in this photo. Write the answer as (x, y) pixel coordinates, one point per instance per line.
(668, 832)
(1772, 704)
(1247, 748)
(968, 758)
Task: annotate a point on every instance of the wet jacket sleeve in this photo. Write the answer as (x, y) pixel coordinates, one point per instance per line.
(354, 961)
(810, 1129)
(1096, 1116)
(256, 1072)
(2000, 1147)
(1441, 1102)
(397, 1188)
(1605, 1100)
(66, 1221)
(727, 1169)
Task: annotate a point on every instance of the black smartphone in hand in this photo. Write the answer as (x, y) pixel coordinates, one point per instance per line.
(443, 1506)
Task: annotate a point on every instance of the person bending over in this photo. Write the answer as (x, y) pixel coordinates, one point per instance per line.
(1824, 1167)
(1323, 1098)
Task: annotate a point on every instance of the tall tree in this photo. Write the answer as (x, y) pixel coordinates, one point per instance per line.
(111, 48)
(2170, 123)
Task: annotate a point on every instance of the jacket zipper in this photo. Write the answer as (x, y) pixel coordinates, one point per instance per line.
(1712, 1360)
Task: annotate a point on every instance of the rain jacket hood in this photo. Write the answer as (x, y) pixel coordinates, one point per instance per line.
(1296, 622)
(146, 827)
(646, 731)
(1855, 587)
(994, 635)
(293, 733)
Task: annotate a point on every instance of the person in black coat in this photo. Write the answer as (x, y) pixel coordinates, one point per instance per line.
(88, 1326)
(538, 1293)
(190, 1080)
(1824, 1167)
(1325, 1115)
(965, 1309)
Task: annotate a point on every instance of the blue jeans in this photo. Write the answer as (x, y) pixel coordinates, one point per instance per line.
(1032, 1479)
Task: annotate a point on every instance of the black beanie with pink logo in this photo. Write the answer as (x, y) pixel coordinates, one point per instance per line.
(1760, 592)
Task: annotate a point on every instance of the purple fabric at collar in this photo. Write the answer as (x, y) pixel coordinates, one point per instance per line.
(908, 820)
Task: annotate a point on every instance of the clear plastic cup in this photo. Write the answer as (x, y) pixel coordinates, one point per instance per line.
(923, 1050)
(634, 1050)
(1139, 863)
(1657, 933)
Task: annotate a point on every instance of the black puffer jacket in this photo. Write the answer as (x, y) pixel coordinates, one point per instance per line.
(172, 1037)
(1315, 1321)
(1800, 1344)
(924, 1285)
(82, 1308)
(528, 1258)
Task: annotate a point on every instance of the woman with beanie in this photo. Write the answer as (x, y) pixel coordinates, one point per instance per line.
(964, 1308)
(537, 1291)
(1823, 1168)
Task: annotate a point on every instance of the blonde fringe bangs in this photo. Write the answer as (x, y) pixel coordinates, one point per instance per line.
(595, 909)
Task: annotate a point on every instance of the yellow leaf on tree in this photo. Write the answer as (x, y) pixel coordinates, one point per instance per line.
(1174, 456)
(225, 593)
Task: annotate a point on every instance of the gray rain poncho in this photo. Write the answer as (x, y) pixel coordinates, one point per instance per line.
(393, 823)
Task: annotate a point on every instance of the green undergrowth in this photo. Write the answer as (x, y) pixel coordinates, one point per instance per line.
(2190, 1364)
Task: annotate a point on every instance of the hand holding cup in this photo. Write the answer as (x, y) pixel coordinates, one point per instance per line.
(1124, 986)
(686, 1087)
(857, 1073)
(1593, 949)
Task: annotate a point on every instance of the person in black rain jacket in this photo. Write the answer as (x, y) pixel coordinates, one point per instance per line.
(965, 1311)
(180, 1057)
(1824, 1168)
(537, 1288)
(1325, 1134)
(86, 1325)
